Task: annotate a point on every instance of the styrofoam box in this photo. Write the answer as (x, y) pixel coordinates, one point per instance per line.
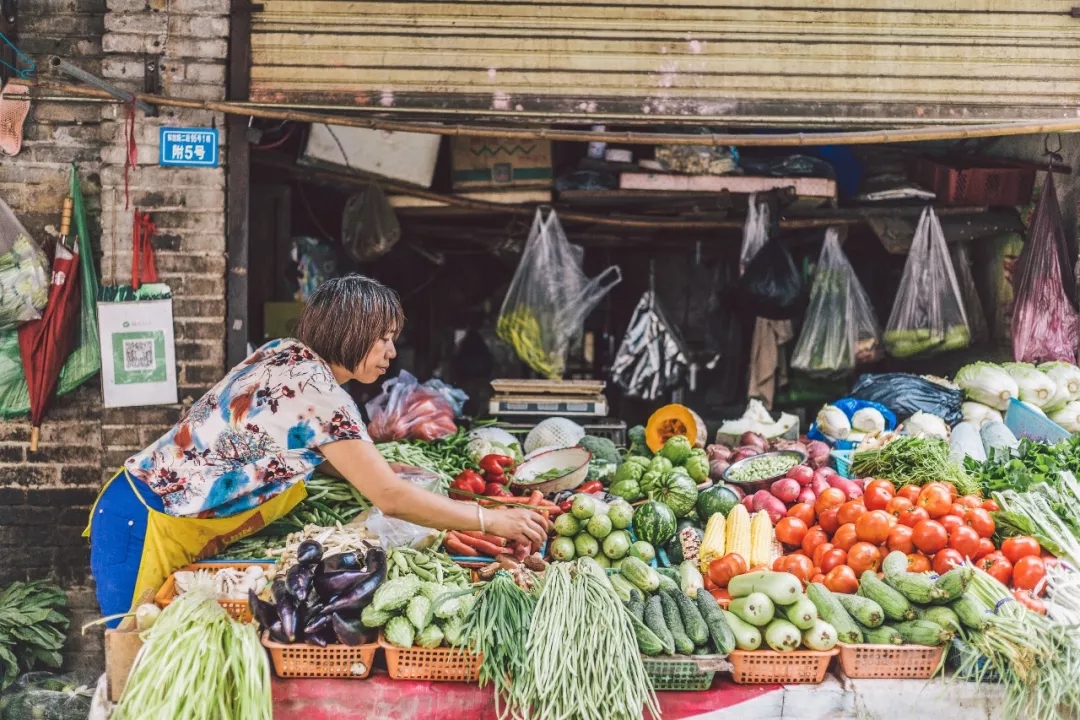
(409, 157)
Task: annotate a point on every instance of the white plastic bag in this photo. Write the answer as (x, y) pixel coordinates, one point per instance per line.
(841, 329)
(928, 314)
(755, 232)
(369, 228)
(550, 297)
(24, 273)
(401, 533)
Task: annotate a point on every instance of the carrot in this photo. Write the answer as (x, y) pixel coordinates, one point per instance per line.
(493, 539)
(454, 544)
(535, 498)
(482, 546)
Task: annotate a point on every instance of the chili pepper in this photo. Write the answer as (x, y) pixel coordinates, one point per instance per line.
(591, 487)
(468, 481)
(566, 506)
(493, 465)
(494, 489)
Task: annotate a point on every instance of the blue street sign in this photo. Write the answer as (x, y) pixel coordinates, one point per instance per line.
(189, 147)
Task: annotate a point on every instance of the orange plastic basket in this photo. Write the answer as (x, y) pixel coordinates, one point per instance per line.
(311, 661)
(237, 609)
(771, 667)
(438, 664)
(913, 662)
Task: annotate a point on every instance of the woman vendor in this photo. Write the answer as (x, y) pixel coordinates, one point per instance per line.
(238, 459)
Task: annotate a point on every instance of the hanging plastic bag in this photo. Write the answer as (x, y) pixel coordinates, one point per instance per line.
(1045, 320)
(907, 394)
(455, 396)
(772, 286)
(928, 313)
(369, 227)
(755, 231)
(652, 358)
(24, 273)
(406, 410)
(550, 297)
(841, 329)
(973, 306)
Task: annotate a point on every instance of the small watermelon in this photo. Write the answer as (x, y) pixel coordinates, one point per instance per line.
(717, 499)
(655, 523)
(676, 490)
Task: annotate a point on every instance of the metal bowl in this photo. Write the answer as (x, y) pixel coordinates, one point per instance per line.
(575, 459)
(752, 486)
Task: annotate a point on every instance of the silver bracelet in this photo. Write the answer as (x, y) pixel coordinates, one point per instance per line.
(480, 516)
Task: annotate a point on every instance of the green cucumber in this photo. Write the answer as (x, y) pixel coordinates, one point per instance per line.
(623, 587)
(891, 601)
(654, 620)
(648, 642)
(683, 644)
(693, 622)
(720, 631)
(943, 615)
(970, 612)
(747, 637)
(862, 609)
(832, 612)
(923, 632)
(882, 635)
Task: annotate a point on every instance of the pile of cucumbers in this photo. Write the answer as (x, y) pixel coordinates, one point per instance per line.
(903, 608)
(771, 606)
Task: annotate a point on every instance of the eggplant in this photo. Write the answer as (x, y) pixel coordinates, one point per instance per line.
(279, 588)
(357, 597)
(375, 559)
(331, 584)
(318, 640)
(339, 562)
(286, 610)
(277, 634)
(262, 611)
(299, 580)
(315, 624)
(349, 632)
(309, 552)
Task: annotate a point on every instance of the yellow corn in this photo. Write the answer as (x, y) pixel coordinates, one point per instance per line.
(737, 532)
(714, 542)
(761, 540)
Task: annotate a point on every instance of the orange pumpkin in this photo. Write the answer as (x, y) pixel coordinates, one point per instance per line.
(672, 420)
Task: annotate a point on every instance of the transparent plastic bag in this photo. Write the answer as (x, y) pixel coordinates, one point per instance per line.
(406, 410)
(755, 231)
(550, 297)
(46, 696)
(973, 307)
(928, 314)
(455, 396)
(841, 329)
(1044, 322)
(369, 227)
(24, 273)
(393, 532)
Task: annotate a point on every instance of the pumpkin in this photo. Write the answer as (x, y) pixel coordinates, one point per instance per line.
(672, 420)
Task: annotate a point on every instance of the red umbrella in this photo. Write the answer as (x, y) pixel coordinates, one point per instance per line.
(46, 343)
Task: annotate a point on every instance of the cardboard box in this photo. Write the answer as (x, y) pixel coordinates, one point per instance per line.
(409, 157)
(121, 647)
(497, 163)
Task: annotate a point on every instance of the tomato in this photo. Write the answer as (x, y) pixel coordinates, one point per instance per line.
(832, 559)
(720, 594)
(951, 523)
(971, 501)
(814, 537)
(780, 564)
(953, 492)
(723, 569)
(829, 520)
(1032, 603)
(883, 484)
(965, 541)
(897, 506)
(997, 566)
(913, 516)
(986, 546)
(911, 492)
(873, 527)
(1028, 572)
(818, 578)
(876, 498)
(900, 539)
(709, 584)
(929, 537)
(801, 567)
(862, 557)
(990, 506)
(946, 560)
(841, 579)
(958, 510)
(803, 511)
(850, 511)
(1020, 546)
(845, 537)
(980, 521)
(918, 563)
(819, 552)
(829, 498)
(935, 500)
(791, 531)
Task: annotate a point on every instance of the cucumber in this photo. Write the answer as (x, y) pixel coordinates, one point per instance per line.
(622, 587)
(640, 574)
(917, 588)
(923, 632)
(667, 585)
(756, 608)
(683, 644)
(882, 635)
(722, 636)
(862, 609)
(820, 637)
(891, 601)
(693, 622)
(648, 643)
(668, 572)
(895, 563)
(942, 615)
(952, 584)
(782, 588)
(832, 612)
(702, 650)
(970, 612)
(654, 620)
(800, 613)
(782, 636)
(747, 637)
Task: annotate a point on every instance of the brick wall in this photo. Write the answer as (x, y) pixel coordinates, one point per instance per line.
(45, 496)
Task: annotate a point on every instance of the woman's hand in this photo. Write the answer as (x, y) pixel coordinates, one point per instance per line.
(524, 526)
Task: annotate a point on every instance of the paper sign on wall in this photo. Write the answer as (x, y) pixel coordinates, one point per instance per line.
(138, 348)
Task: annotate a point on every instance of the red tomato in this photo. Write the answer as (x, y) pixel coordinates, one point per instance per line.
(911, 492)
(845, 537)
(929, 536)
(1032, 603)
(959, 510)
(1028, 572)
(818, 578)
(832, 559)
(721, 570)
(897, 506)
(935, 500)
(791, 531)
(841, 579)
(709, 584)
(850, 511)
(971, 501)
(965, 541)
(990, 506)
(946, 560)
(720, 594)
(780, 564)
(913, 516)
(980, 521)
(801, 567)
(985, 548)
(829, 498)
(951, 523)
(900, 539)
(876, 497)
(1020, 546)
(829, 521)
(862, 557)
(803, 511)
(953, 493)
(997, 566)
(814, 537)
(819, 553)
(918, 563)
(873, 527)
(883, 484)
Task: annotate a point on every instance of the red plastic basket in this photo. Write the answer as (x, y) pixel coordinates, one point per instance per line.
(237, 609)
(981, 182)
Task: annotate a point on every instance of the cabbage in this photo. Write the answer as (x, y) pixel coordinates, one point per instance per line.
(1067, 379)
(978, 413)
(833, 423)
(923, 424)
(868, 420)
(1068, 417)
(987, 384)
(1035, 387)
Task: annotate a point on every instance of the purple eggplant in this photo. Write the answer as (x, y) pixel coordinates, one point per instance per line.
(277, 634)
(331, 584)
(318, 640)
(286, 610)
(339, 562)
(299, 580)
(309, 552)
(262, 611)
(356, 598)
(279, 588)
(315, 624)
(349, 632)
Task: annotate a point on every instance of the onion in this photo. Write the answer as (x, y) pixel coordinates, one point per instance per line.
(752, 439)
(718, 452)
(801, 474)
(817, 454)
(743, 453)
(717, 468)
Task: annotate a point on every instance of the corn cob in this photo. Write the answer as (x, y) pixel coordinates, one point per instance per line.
(761, 540)
(714, 542)
(737, 532)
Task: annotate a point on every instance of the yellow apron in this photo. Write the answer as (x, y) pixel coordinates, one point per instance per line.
(173, 542)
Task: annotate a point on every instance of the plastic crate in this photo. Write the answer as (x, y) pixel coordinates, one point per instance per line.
(436, 664)
(842, 460)
(959, 651)
(302, 660)
(1026, 423)
(913, 662)
(981, 182)
(776, 668)
(684, 673)
(238, 609)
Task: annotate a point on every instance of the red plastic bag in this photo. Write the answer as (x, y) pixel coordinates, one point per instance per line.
(1045, 322)
(406, 410)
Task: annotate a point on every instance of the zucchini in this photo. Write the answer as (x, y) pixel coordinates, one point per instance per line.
(693, 622)
(782, 588)
(882, 635)
(722, 636)
(668, 572)
(648, 643)
(970, 612)
(832, 612)
(640, 574)
(923, 632)
(747, 637)
(800, 613)
(683, 644)
(743, 585)
(892, 602)
(942, 615)
(690, 579)
(952, 584)
(863, 610)
(654, 620)
(821, 636)
(622, 587)
(782, 636)
(756, 608)
(895, 563)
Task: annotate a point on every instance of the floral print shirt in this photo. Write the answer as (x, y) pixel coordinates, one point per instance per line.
(252, 436)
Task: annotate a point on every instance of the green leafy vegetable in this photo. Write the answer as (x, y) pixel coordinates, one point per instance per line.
(32, 628)
(913, 460)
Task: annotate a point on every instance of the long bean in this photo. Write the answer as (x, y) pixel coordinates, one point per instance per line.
(498, 628)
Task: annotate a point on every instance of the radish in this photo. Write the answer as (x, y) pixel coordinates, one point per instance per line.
(764, 500)
(801, 474)
(850, 488)
(806, 495)
(826, 471)
(753, 440)
(786, 489)
(817, 454)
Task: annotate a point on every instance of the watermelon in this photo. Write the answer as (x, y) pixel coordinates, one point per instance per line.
(676, 490)
(654, 523)
(717, 499)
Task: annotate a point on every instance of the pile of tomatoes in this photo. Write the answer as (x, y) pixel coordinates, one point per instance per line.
(835, 540)
(1021, 565)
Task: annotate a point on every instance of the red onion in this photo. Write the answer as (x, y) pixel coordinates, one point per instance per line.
(743, 453)
(754, 440)
(718, 452)
(717, 468)
(817, 454)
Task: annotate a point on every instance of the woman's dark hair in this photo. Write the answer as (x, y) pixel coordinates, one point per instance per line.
(346, 316)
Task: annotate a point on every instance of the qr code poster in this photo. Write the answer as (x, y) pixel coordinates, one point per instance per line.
(138, 353)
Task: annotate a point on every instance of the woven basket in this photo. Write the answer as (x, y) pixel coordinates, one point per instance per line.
(301, 660)
(684, 673)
